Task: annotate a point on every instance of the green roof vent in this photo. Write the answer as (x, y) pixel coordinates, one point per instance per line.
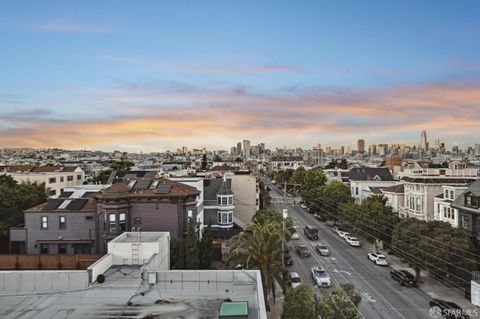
(234, 310)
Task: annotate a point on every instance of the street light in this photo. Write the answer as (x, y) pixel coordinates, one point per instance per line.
(285, 215)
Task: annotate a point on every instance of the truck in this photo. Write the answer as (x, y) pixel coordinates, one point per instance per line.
(311, 232)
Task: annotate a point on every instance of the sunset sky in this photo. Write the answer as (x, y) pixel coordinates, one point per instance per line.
(156, 75)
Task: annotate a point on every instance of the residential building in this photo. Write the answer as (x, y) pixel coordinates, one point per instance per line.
(55, 178)
(146, 204)
(366, 181)
(442, 204)
(218, 202)
(395, 196)
(420, 191)
(468, 206)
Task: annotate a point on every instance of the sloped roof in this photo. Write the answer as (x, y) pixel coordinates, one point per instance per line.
(369, 173)
(400, 188)
(474, 188)
(212, 187)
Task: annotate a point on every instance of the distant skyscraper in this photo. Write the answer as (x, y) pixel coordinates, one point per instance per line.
(233, 151)
(372, 149)
(361, 146)
(477, 149)
(423, 141)
(239, 148)
(246, 148)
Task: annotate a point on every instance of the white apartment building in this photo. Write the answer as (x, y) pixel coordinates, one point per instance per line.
(367, 181)
(56, 178)
(442, 205)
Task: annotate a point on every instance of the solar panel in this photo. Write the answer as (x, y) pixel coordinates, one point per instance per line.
(163, 188)
(88, 194)
(53, 204)
(77, 204)
(132, 183)
(143, 184)
(65, 194)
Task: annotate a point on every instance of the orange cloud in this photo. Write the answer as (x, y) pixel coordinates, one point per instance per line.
(160, 117)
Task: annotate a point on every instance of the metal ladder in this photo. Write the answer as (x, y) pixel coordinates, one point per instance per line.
(135, 253)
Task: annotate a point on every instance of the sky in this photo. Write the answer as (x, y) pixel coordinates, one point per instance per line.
(156, 75)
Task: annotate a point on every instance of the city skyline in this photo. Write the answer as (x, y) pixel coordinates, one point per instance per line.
(154, 77)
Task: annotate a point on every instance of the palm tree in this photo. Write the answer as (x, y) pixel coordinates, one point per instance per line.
(260, 247)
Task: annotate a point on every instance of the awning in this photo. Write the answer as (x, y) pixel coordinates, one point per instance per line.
(67, 241)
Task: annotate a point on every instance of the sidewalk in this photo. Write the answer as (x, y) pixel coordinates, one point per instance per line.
(432, 287)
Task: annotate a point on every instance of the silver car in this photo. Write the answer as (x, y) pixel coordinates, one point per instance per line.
(321, 277)
(322, 250)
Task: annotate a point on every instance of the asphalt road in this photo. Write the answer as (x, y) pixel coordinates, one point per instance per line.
(382, 297)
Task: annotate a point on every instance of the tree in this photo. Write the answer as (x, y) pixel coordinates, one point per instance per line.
(341, 304)
(123, 165)
(313, 180)
(191, 246)
(260, 247)
(177, 253)
(217, 158)
(204, 162)
(331, 196)
(332, 164)
(298, 175)
(299, 303)
(343, 164)
(264, 195)
(15, 198)
(263, 217)
(102, 176)
(205, 248)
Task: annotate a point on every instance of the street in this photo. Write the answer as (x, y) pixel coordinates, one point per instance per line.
(382, 297)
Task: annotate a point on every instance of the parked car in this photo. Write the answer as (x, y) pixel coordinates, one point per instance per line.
(342, 233)
(304, 206)
(404, 277)
(295, 280)
(321, 277)
(288, 260)
(302, 250)
(352, 241)
(334, 229)
(378, 259)
(295, 236)
(447, 309)
(322, 250)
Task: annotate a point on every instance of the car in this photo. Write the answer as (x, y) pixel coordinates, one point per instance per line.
(320, 217)
(446, 309)
(295, 280)
(288, 260)
(404, 277)
(342, 233)
(302, 250)
(304, 206)
(295, 236)
(322, 250)
(378, 258)
(334, 229)
(321, 277)
(352, 241)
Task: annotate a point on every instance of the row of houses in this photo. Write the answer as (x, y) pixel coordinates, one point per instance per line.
(450, 195)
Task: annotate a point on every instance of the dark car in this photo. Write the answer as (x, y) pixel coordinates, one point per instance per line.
(404, 277)
(302, 250)
(447, 309)
(288, 260)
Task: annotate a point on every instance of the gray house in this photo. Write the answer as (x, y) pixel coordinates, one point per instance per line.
(468, 206)
(58, 226)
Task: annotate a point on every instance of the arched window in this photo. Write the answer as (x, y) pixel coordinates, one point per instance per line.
(112, 222)
(122, 223)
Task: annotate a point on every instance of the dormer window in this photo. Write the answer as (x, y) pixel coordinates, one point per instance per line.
(468, 200)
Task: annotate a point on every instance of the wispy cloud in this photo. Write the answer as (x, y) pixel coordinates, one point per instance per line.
(465, 64)
(64, 27)
(199, 68)
(166, 114)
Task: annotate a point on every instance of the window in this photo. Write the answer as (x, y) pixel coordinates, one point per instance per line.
(445, 194)
(62, 249)
(444, 212)
(79, 177)
(52, 180)
(356, 190)
(225, 218)
(61, 179)
(418, 206)
(52, 192)
(230, 200)
(44, 222)
(468, 200)
(122, 223)
(466, 221)
(70, 178)
(219, 200)
(43, 248)
(62, 222)
(112, 218)
(224, 201)
(451, 195)
(89, 217)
